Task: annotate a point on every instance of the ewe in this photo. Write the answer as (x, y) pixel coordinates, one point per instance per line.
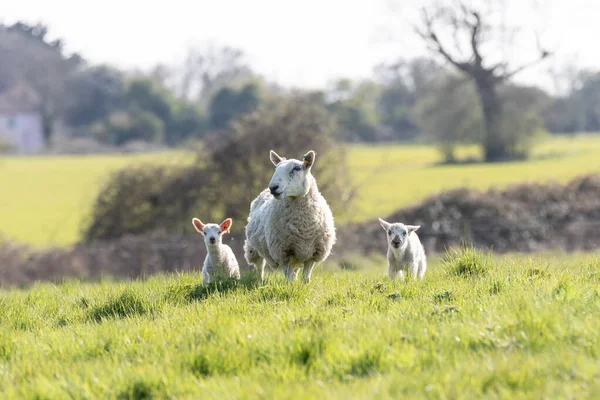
(290, 225)
(404, 250)
(220, 262)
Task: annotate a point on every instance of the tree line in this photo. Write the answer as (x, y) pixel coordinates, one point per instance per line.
(446, 99)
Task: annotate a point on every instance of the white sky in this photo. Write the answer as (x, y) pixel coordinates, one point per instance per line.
(296, 43)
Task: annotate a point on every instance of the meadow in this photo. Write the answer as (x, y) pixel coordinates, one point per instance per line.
(44, 200)
(477, 326)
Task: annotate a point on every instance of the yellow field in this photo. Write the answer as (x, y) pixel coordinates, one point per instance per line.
(43, 200)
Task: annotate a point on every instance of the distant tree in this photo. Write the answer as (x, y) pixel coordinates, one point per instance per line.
(188, 122)
(448, 113)
(121, 127)
(578, 110)
(94, 93)
(229, 104)
(149, 95)
(354, 104)
(206, 69)
(471, 28)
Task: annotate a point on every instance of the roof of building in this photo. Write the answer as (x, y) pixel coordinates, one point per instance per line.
(19, 98)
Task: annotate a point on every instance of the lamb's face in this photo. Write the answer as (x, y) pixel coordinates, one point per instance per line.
(213, 233)
(397, 233)
(290, 177)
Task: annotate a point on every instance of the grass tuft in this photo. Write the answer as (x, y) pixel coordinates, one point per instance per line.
(466, 261)
(128, 304)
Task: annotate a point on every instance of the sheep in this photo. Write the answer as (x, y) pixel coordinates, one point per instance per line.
(290, 225)
(404, 250)
(220, 262)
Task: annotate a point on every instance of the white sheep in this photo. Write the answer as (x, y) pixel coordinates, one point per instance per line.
(405, 250)
(220, 262)
(290, 225)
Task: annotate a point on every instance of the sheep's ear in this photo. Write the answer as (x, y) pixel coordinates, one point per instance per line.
(412, 228)
(225, 225)
(198, 224)
(309, 159)
(384, 224)
(275, 158)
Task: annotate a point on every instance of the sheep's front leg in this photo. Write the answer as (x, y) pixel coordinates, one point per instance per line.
(260, 266)
(307, 271)
(393, 274)
(290, 274)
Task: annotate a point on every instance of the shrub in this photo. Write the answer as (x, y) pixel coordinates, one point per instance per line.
(229, 171)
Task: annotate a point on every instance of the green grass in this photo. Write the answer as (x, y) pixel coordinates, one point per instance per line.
(520, 327)
(393, 176)
(44, 200)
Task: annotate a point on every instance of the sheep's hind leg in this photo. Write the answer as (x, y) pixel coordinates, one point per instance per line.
(307, 271)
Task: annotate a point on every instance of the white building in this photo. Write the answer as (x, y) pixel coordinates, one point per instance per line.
(21, 119)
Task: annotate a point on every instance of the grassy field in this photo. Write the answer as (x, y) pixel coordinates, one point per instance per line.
(43, 200)
(516, 327)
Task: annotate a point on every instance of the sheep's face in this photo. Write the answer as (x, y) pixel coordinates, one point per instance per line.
(213, 233)
(397, 233)
(290, 177)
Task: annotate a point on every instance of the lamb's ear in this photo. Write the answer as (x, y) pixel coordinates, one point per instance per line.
(198, 224)
(225, 225)
(275, 158)
(384, 224)
(412, 228)
(309, 159)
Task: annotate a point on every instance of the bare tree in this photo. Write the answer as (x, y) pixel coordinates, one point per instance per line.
(458, 33)
(205, 69)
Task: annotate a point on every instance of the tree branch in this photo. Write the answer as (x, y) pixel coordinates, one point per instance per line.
(431, 37)
(507, 75)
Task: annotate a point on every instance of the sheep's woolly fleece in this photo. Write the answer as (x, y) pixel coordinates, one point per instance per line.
(293, 232)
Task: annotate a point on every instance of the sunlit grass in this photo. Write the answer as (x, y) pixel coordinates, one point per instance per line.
(526, 328)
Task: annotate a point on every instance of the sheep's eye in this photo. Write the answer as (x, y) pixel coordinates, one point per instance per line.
(297, 168)
(390, 233)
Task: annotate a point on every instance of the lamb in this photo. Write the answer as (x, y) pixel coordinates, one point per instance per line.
(220, 262)
(404, 250)
(290, 225)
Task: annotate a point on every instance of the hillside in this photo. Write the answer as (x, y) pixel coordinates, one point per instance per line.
(45, 199)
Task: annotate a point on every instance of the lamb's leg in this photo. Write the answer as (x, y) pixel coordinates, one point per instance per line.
(393, 274)
(307, 270)
(205, 278)
(414, 269)
(422, 268)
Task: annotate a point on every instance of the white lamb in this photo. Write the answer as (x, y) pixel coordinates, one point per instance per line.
(290, 225)
(220, 262)
(405, 250)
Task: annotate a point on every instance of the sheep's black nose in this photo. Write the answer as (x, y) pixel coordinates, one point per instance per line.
(212, 239)
(273, 189)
